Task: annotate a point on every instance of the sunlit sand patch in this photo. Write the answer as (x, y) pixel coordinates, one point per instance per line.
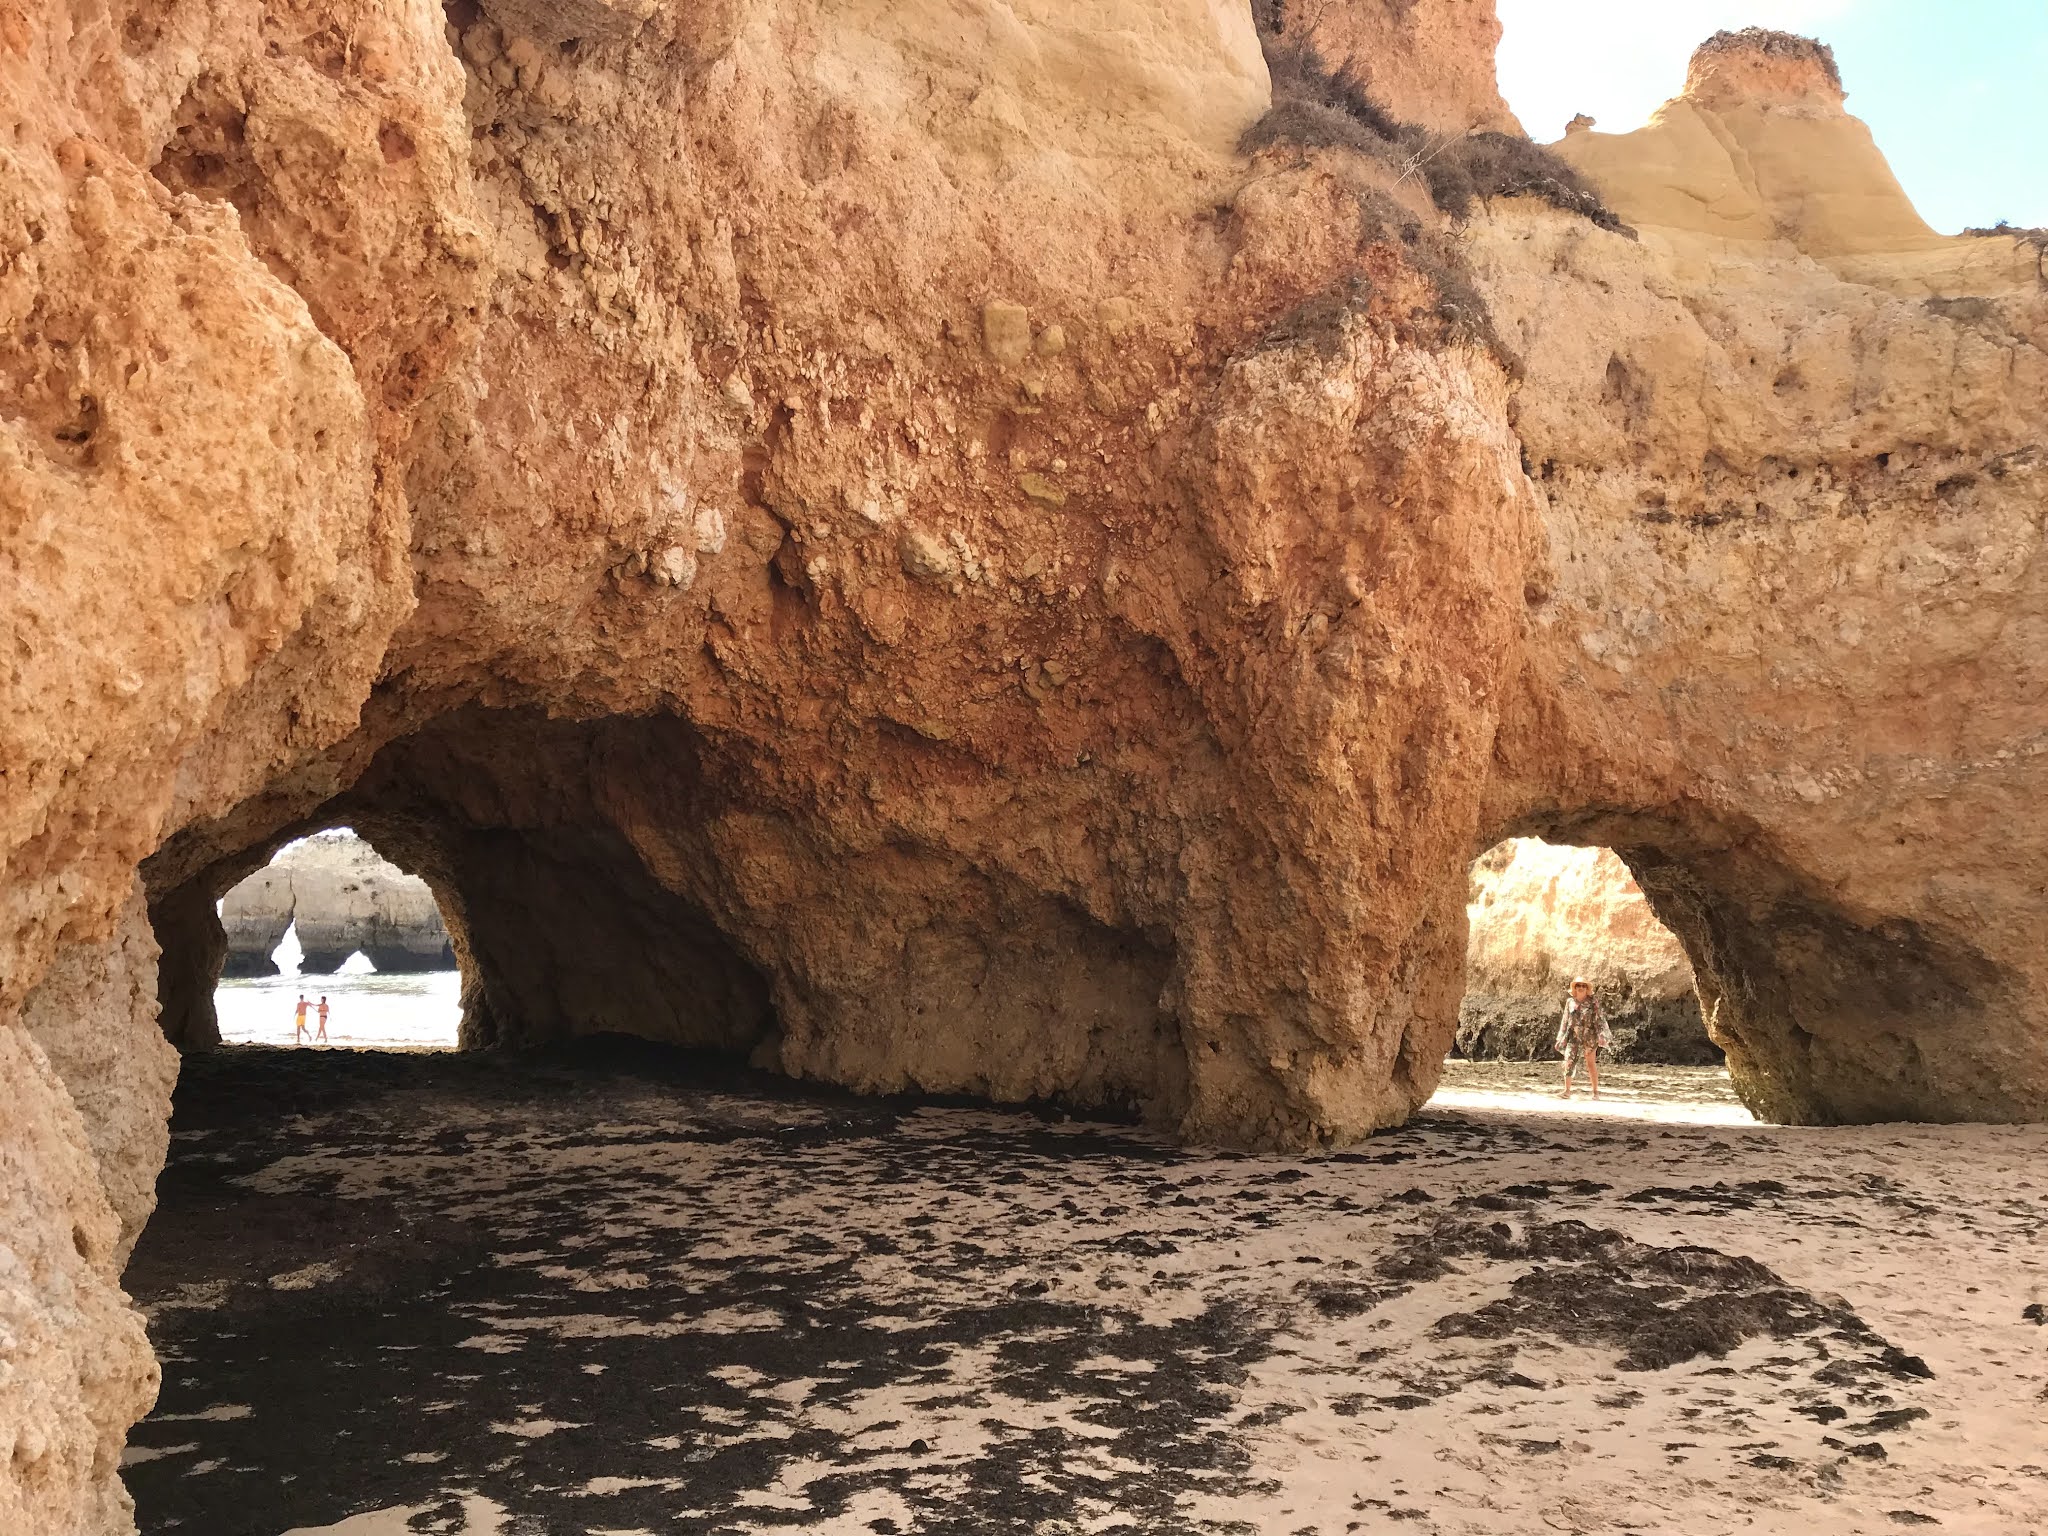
(462, 1515)
(1664, 1095)
(305, 1279)
(602, 1486)
(399, 1012)
(579, 1325)
(1607, 1107)
(533, 1429)
(592, 1281)
(200, 1296)
(136, 1455)
(493, 1344)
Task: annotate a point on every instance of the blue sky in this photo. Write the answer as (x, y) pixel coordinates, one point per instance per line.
(1953, 89)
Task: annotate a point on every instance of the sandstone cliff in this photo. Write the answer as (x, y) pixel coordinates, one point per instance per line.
(1425, 62)
(85, 1102)
(1541, 915)
(875, 536)
(1760, 152)
(1786, 633)
(254, 918)
(343, 898)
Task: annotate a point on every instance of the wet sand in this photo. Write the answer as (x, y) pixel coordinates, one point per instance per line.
(639, 1293)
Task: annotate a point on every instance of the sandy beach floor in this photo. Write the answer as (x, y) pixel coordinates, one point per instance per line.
(632, 1293)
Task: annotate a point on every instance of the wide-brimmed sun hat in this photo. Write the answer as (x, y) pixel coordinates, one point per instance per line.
(1580, 981)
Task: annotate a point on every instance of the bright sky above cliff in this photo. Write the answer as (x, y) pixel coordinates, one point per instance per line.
(1951, 88)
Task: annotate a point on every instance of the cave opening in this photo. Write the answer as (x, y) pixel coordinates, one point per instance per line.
(331, 922)
(515, 952)
(1826, 1013)
(476, 883)
(1540, 914)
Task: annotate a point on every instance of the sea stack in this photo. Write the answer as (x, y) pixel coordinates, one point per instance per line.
(343, 898)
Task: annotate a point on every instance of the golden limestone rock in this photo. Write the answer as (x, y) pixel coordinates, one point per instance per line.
(985, 549)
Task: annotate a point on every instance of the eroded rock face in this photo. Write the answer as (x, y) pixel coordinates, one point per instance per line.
(1760, 149)
(891, 507)
(254, 918)
(1029, 550)
(241, 251)
(1541, 915)
(85, 1079)
(948, 571)
(1427, 62)
(94, 1015)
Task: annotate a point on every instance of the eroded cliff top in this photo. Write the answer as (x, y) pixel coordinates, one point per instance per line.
(1759, 149)
(1758, 65)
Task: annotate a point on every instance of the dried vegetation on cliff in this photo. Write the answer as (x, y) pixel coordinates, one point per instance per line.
(1316, 107)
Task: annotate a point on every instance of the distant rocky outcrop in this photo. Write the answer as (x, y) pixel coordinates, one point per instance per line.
(1541, 914)
(1758, 151)
(256, 914)
(344, 898)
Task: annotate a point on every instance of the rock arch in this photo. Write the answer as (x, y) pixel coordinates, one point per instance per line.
(1824, 1017)
(1055, 601)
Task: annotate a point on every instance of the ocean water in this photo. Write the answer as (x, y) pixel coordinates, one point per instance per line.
(366, 1010)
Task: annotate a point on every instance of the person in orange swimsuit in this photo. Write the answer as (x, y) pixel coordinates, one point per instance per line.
(299, 1020)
